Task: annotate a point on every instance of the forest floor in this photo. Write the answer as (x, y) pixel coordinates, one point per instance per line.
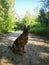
(37, 50)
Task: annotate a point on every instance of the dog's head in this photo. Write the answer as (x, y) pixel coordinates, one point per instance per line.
(26, 29)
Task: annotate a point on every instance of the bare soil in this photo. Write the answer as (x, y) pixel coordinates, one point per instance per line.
(37, 50)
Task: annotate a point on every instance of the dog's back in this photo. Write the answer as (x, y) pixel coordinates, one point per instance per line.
(21, 40)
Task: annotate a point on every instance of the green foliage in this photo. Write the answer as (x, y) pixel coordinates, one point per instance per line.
(27, 20)
(38, 24)
(45, 4)
(43, 18)
(6, 17)
(38, 30)
(42, 25)
(18, 24)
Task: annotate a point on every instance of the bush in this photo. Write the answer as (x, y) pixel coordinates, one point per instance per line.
(18, 26)
(38, 29)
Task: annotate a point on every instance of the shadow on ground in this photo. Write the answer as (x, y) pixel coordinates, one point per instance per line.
(37, 51)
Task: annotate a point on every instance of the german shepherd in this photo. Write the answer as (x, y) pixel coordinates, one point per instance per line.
(21, 41)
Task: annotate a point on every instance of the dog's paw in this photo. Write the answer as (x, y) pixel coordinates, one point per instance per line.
(20, 54)
(24, 52)
(9, 46)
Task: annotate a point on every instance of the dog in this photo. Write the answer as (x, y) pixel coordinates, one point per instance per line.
(21, 41)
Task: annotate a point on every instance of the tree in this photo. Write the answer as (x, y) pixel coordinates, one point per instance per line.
(43, 17)
(5, 21)
(28, 18)
(45, 4)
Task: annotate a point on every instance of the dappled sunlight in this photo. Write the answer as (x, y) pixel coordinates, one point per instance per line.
(12, 38)
(39, 43)
(3, 44)
(24, 32)
(9, 58)
(36, 39)
(44, 55)
(5, 61)
(37, 49)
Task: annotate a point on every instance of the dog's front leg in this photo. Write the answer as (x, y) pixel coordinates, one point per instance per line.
(23, 50)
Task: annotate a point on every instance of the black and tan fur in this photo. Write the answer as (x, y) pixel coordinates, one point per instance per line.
(20, 42)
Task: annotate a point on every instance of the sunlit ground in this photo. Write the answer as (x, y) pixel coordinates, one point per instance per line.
(37, 50)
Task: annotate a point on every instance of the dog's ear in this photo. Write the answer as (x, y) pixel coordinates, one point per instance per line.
(28, 27)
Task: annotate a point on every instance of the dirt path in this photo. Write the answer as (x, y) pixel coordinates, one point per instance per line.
(37, 51)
